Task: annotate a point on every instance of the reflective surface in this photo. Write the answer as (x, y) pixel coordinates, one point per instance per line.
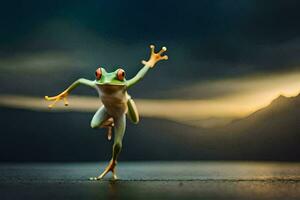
(152, 180)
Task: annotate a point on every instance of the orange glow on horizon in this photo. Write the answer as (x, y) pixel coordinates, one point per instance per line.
(256, 92)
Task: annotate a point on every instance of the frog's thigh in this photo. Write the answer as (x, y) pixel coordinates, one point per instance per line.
(132, 112)
(100, 117)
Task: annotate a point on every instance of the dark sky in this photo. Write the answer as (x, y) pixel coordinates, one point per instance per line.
(45, 45)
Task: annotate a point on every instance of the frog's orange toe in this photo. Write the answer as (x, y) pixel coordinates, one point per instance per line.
(164, 49)
(49, 98)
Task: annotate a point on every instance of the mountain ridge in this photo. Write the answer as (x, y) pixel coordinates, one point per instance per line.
(277, 104)
(269, 134)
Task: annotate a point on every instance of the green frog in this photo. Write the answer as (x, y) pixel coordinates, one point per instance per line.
(117, 103)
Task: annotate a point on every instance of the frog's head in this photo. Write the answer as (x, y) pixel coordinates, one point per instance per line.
(113, 78)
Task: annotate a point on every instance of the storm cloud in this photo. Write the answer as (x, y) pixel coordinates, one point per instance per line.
(206, 40)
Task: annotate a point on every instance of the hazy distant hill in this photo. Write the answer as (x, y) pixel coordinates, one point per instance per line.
(271, 133)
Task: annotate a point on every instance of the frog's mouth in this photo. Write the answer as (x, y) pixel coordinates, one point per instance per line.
(110, 88)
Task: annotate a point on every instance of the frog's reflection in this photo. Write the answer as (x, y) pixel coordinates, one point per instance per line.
(113, 192)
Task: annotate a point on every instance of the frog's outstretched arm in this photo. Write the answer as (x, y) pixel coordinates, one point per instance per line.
(65, 93)
(154, 58)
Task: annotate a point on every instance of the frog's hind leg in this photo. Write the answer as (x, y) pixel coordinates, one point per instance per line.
(102, 120)
(132, 112)
(120, 125)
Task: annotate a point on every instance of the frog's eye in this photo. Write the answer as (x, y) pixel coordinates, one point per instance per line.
(121, 74)
(98, 73)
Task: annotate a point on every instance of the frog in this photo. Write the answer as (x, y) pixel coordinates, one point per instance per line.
(117, 104)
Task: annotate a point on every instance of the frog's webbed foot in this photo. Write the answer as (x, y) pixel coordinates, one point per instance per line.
(111, 167)
(155, 57)
(56, 98)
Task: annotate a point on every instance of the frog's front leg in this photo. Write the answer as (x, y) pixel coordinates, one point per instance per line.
(154, 58)
(119, 130)
(63, 95)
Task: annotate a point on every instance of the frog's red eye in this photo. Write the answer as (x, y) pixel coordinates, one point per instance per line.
(98, 73)
(121, 74)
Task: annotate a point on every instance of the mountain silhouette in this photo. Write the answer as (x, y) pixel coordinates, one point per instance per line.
(271, 133)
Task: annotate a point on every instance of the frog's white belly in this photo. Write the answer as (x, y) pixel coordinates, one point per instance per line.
(114, 99)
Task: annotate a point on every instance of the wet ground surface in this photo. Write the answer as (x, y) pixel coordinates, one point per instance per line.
(152, 180)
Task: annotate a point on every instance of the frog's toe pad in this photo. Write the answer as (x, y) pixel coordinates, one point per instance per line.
(93, 179)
